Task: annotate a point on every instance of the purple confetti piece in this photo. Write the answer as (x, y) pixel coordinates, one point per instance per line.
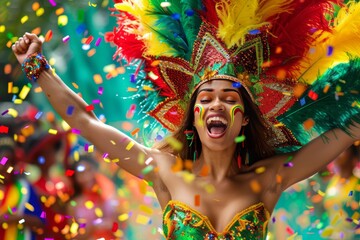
(95, 101)
(132, 78)
(100, 90)
(3, 160)
(66, 38)
(53, 3)
(98, 41)
(38, 115)
(86, 147)
(75, 131)
(5, 112)
(289, 164)
(330, 50)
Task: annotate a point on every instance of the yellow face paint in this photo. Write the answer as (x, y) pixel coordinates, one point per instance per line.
(235, 109)
(198, 108)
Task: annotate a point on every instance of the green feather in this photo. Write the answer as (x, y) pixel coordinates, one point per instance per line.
(175, 26)
(334, 109)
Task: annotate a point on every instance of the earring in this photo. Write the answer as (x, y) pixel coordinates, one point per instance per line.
(190, 136)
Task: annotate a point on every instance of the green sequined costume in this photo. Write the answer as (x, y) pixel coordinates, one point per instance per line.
(180, 221)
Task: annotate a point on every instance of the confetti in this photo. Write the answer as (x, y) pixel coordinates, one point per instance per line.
(98, 41)
(260, 170)
(53, 131)
(100, 90)
(255, 186)
(308, 124)
(53, 3)
(174, 143)
(115, 227)
(48, 36)
(130, 145)
(240, 139)
(4, 129)
(89, 108)
(98, 79)
(69, 172)
(70, 110)
(3, 160)
(89, 40)
(66, 38)
(313, 95)
(24, 92)
(197, 200)
(142, 219)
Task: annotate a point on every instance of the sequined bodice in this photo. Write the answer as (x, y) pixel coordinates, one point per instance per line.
(182, 222)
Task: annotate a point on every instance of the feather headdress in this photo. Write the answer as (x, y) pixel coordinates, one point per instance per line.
(269, 47)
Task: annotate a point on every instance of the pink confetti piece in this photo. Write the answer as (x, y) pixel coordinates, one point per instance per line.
(53, 3)
(66, 38)
(3, 160)
(96, 101)
(75, 131)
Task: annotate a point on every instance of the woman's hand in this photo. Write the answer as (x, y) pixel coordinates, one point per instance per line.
(26, 45)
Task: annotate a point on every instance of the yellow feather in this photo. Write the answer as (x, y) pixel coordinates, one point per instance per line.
(344, 40)
(238, 17)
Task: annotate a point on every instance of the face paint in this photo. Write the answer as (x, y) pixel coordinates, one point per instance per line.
(198, 108)
(234, 110)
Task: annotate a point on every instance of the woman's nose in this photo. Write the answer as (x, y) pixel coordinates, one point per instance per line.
(217, 105)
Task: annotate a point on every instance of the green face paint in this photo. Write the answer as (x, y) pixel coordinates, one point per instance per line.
(198, 108)
(234, 110)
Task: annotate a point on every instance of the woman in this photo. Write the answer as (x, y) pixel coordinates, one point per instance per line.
(230, 192)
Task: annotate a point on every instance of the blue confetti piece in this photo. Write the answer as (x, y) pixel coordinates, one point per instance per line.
(132, 78)
(70, 110)
(176, 16)
(330, 50)
(254, 32)
(189, 12)
(41, 160)
(351, 193)
(236, 84)
(81, 29)
(302, 101)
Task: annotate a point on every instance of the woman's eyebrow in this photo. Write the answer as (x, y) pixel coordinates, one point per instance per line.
(231, 90)
(206, 90)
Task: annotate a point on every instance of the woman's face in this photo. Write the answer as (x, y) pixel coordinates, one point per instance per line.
(219, 114)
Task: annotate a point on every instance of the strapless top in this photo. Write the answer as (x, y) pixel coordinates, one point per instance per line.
(180, 221)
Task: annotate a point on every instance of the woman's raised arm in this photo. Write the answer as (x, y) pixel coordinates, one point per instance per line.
(316, 155)
(108, 140)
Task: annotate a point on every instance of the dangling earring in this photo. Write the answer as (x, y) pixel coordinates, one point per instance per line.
(190, 136)
(242, 148)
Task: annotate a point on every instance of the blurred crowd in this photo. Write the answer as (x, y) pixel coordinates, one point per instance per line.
(54, 185)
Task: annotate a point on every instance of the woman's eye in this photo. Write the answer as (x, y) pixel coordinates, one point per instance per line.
(230, 101)
(204, 100)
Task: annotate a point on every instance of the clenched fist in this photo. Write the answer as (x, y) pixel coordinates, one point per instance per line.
(27, 44)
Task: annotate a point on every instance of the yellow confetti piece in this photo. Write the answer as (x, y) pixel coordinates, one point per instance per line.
(327, 232)
(115, 160)
(148, 88)
(62, 20)
(10, 86)
(146, 209)
(260, 170)
(75, 85)
(142, 187)
(130, 145)
(174, 143)
(321, 193)
(24, 92)
(188, 177)
(2, 28)
(142, 219)
(123, 217)
(74, 227)
(18, 101)
(287, 93)
(209, 188)
(29, 207)
(12, 112)
(24, 19)
(53, 131)
(89, 204)
(40, 12)
(99, 212)
(120, 70)
(130, 89)
(335, 219)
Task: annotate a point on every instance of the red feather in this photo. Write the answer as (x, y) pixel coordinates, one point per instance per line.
(128, 44)
(293, 32)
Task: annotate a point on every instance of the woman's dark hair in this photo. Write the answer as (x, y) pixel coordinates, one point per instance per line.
(257, 134)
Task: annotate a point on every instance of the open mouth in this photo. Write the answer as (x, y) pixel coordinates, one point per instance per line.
(216, 126)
